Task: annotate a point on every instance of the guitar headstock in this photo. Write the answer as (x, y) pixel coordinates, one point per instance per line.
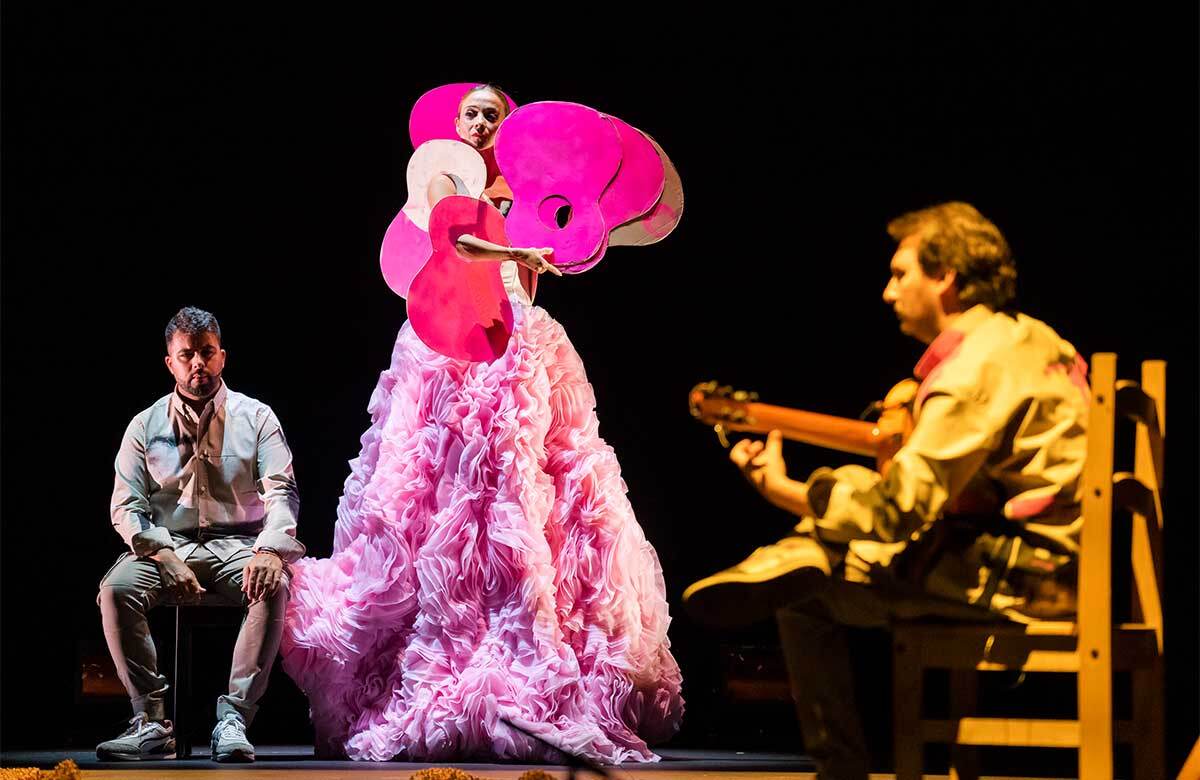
(714, 404)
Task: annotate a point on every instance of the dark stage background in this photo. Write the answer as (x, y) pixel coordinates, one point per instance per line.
(250, 166)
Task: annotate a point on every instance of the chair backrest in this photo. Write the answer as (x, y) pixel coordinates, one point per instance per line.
(1139, 492)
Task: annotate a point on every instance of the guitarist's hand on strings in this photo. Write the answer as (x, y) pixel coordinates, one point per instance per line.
(761, 462)
(763, 465)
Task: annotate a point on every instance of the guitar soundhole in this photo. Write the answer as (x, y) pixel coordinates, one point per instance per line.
(555, 212)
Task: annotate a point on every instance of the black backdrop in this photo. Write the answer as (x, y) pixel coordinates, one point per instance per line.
(251, 165)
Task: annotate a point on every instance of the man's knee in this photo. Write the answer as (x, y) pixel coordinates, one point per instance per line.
(832, 600)
(274, 606)
(131, 583)
(279, 597)
(117, 597)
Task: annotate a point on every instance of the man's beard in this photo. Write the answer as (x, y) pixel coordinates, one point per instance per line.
(204, 386)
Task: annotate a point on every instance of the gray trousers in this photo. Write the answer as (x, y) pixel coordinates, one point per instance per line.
(133, 587)
(814, 638)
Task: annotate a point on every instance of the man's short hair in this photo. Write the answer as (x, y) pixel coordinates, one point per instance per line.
(191, 322)
(956, 237)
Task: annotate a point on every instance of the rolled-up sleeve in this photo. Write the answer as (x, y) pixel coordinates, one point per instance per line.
(277, 486)
(949, 444)
(130, 507)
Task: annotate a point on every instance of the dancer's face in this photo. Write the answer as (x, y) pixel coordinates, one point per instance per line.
(479, 116)
(196, 361)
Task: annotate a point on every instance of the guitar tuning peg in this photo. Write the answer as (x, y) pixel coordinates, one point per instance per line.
(741, 395)
(753, 396)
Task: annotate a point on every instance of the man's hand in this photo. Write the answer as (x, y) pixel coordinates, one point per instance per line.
(261, 576)
(761, 463)
(179, 580)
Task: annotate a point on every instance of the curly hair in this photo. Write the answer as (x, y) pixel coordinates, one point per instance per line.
(956, 237)
(191, 322)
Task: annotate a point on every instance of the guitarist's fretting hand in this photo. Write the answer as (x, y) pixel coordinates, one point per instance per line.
(763, 465)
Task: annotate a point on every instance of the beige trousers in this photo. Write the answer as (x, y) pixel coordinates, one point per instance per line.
(133, 587)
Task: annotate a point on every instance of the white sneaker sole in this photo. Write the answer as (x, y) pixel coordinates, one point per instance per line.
(234, 757)
(109, 756)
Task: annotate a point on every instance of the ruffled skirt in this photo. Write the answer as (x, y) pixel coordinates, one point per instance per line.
(487, 566)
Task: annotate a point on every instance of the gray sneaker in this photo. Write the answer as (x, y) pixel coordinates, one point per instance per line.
(144, 740)
(229, 741)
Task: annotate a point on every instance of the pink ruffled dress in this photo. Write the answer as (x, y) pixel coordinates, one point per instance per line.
(487, 564)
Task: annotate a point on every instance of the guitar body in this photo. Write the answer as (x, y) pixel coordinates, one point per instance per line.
(895, 417)
(457, 307)
(558, 158)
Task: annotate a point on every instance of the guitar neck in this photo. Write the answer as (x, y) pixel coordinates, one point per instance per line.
(821, 430)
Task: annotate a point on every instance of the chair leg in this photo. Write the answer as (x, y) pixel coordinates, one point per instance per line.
(183, 684)
(906, 706)
(176, 709)
(964, 700)
(1095, 717)
(1149, 759)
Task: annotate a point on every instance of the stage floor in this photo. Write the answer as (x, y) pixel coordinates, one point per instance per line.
(277, 762)
(283, 762)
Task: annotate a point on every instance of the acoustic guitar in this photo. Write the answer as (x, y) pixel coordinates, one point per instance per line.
(728, 410)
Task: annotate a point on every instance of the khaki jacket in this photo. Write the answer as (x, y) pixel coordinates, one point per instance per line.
(1001, 412)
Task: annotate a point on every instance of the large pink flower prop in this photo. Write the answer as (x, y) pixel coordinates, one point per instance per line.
(581, 181)
(579, 178)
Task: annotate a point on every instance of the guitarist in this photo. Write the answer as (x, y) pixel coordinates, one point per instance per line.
(1001, 411)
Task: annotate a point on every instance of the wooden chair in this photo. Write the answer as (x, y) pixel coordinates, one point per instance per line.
(211, 609)
(1090, 647)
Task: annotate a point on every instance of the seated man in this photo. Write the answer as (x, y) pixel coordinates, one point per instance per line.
(977, 516)
(205, 499)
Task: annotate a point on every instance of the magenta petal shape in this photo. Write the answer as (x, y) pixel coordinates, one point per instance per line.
(658, 223)
(558, 158)
(457, 307)
(406, 248)
(639, 181)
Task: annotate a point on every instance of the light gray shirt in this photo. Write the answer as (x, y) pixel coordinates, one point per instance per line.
(222, 478)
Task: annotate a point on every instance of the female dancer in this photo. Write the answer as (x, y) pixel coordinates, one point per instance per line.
(487, 565)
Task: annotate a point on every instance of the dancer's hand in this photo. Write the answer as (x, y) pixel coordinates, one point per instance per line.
(535, 259)
(179, 580)
(262, 575)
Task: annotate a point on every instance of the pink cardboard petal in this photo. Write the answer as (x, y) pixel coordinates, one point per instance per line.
(639, 181)
(406, 246)
(404, 250)
(456, 307)
(434, 112)
(658, 223)
(558, 155)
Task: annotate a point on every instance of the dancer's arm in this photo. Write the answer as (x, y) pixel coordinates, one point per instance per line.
(474, 248)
